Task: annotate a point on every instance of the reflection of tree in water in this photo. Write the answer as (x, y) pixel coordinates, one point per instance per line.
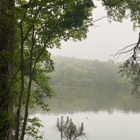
(68, 130)
(93, 99)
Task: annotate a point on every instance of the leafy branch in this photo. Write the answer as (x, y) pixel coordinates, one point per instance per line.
(111, 4)
(131, 67)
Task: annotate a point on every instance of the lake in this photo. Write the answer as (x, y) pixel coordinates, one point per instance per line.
(108, 113)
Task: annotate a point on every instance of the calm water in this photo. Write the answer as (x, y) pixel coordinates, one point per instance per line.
(107, 113)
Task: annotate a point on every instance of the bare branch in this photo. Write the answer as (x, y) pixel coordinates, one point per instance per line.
(132, 64)
(124, 50)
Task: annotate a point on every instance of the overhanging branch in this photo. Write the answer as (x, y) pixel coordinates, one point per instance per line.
(111, 4)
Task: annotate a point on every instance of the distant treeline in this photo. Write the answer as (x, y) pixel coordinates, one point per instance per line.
(79, 72)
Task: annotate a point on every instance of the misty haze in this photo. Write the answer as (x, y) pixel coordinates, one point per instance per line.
(93, 93)
(88, 87)
(69, 70)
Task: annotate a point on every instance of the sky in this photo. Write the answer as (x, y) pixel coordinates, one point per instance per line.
(103, 41)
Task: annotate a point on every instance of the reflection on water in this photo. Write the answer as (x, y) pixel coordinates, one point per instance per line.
(98, 126)
(108, 113)
(92, 99)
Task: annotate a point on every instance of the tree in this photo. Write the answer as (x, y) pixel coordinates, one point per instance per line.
(117, 10)
(69, 130)
(27, 30)
(7, 8)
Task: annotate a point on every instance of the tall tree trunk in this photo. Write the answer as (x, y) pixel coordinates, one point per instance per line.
(6, 66)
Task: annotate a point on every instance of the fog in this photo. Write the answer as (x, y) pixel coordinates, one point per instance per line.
(103, 41)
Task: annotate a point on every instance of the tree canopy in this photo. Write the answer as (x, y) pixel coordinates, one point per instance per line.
(27, 30)
(33, 26)
(86, 73)
(117, 10)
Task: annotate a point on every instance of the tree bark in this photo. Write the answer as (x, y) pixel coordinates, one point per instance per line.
(6, 66)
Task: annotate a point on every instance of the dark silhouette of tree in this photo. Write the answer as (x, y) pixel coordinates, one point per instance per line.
(68, 130)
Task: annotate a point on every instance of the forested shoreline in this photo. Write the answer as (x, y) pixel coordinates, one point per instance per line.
(81, 72)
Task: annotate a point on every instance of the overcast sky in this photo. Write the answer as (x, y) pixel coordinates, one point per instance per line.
(103, 40)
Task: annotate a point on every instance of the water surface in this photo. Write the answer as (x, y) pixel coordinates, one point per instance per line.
(108, 113)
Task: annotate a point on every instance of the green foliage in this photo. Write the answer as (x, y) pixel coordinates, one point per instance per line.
(40, 25)
(7, 120)
(43, 24)
(76, 72)
(124, 9)
(33, 127)
(34, 23)
(130, 69)
(120, 10)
